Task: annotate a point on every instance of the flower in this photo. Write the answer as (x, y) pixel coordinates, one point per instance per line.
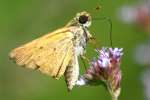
(138, 14)
(146, 83)
(142, 53)
(105, 70)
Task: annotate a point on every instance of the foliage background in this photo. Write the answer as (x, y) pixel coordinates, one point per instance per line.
(24, 20)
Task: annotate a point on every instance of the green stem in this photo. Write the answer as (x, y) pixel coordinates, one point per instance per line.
(114, 98)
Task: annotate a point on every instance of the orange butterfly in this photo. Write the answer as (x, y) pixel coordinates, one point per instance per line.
(56, 53)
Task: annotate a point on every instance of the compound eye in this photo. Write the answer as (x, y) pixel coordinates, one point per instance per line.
(83, 19)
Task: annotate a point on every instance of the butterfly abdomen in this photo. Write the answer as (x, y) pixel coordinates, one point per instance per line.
(72, 73)
(71, 76)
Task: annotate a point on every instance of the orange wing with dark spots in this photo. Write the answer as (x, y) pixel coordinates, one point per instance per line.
(49, 54)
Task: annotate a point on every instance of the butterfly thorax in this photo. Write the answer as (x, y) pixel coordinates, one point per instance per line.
(79, 39)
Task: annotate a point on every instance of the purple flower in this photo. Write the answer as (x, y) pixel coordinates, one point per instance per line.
(106, 70)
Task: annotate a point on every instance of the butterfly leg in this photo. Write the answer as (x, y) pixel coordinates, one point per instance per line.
(95, 43)
(84, 59)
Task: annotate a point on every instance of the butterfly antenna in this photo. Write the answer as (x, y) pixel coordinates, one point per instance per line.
(110, 27)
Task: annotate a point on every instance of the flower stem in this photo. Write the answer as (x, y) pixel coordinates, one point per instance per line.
(114, 98)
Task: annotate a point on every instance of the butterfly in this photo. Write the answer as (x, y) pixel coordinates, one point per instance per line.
(56, 53)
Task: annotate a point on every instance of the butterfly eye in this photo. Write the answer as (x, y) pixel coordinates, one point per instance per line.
(83, 19)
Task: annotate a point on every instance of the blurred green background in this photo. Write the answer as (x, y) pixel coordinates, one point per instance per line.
(24, 20)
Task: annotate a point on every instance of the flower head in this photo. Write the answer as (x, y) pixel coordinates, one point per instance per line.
(106, 70)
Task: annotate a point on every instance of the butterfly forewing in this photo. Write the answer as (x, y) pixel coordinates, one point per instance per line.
(50, 54)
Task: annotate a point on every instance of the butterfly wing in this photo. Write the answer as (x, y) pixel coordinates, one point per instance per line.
(50, 54)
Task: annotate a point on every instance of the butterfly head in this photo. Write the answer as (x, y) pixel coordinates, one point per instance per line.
(84, 19)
